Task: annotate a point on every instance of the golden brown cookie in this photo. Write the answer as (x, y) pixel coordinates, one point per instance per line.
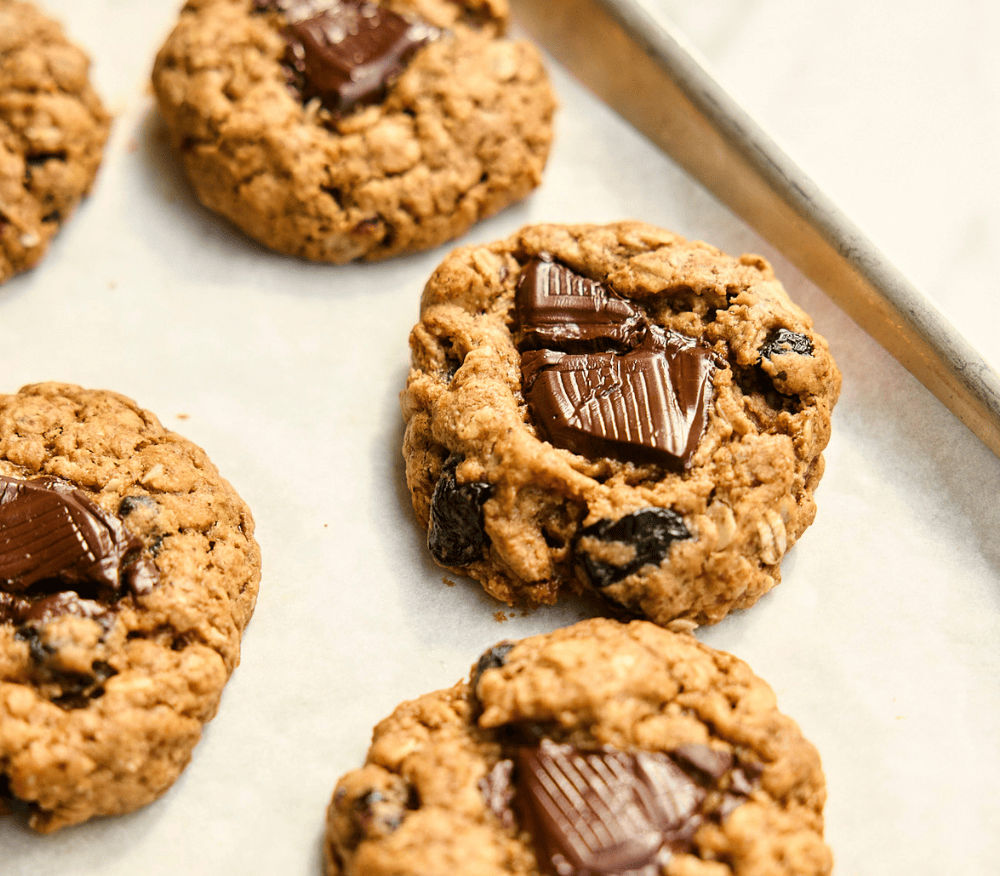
(52, 133)
(354, 129)
(128, 571)
(616, 409)
(602, 748)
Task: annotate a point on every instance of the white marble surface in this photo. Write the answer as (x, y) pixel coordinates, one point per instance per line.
(882, 640)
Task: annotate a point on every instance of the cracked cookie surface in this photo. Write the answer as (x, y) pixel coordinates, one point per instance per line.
(669, 461)
(106, 680)
(460, 127)
(52, 133)
(725, 783)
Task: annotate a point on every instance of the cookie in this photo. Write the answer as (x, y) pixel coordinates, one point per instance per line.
(615, 409)
(52, 132)
(602, 748)
(337, 130)
(128, 571)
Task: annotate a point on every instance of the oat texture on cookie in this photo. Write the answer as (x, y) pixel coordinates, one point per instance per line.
(602, 748)
(337, 130)
(128, 571)
(619, 410)
(52, 132)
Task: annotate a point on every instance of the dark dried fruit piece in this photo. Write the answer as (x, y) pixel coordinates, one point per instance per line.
(10, 804)
(783, 341)
(130, 504)
(492, 659)
(650, 531)
(457, 536)
(375, 812)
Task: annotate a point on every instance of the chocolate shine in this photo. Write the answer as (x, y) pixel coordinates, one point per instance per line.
(557, 306)
(648, 403)
(346, 52)
(606, 812)
(57, 547)
(609, 812)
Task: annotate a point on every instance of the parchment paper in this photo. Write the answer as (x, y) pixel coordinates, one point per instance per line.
(882, 639)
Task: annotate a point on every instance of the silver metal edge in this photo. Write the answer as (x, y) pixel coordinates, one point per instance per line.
(631, 57)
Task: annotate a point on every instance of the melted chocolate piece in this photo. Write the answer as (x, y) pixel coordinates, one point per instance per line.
(647, 404)
(457, 536)
(558, 307)
(651, 531)
(784, 341)
(21, 610)
(498, 792)
(606, 812)
(54, 538)
(609, 812)
(346, 52)
(711, 763)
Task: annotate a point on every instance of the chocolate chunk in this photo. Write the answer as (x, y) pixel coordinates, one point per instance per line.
(647, 405)
(53, 533)
(41, 610)
(558, 307)
(498, 792)
(740, 782)
(605, 812)
(650, 531)
(783, 341)
(48, 608)
(592, 813)
(712, 763)
(346, 52)
(601, 380)
(457, 536)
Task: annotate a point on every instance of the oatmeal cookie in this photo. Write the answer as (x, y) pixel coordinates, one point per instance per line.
(337, 130)
(52, 132)
(128, 571)
(617, 409)
(602, 748)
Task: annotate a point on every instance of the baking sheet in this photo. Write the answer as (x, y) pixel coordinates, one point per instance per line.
(882, 639)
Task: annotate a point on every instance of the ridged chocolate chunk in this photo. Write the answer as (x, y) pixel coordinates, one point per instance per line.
(606, 812)
(346, 52)
(558, 307)
(647, 405)
(53, 534)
